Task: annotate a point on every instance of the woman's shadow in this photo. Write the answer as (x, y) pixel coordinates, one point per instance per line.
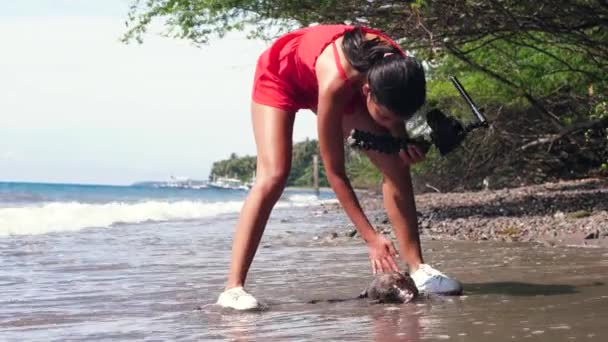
(514, 288)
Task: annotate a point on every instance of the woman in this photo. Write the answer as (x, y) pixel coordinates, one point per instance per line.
(351, 77)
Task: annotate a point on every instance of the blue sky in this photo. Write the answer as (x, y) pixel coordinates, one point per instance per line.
(78, 106)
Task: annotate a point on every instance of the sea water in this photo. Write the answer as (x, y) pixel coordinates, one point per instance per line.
(35, 208)
(103, 263)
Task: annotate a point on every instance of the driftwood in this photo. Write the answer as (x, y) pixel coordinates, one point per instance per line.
(577, 128)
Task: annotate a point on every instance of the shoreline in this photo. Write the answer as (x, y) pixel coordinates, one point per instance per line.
(566, 213)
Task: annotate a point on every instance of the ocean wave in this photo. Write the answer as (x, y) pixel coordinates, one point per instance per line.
(74, 216)
(303, 199)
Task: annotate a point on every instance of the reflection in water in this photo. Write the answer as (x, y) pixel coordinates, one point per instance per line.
(371, 323)
(240, 326)
(401, 323)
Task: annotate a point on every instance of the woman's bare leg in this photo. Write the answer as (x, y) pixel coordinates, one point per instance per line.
(397, 192)
(273, 130)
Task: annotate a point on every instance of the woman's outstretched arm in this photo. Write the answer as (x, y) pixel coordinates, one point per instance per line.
(329, 127)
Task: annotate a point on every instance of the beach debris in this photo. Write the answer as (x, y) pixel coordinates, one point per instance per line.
(593, 235)
(393, 287)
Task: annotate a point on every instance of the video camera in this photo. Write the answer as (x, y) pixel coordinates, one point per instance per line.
(446, 132)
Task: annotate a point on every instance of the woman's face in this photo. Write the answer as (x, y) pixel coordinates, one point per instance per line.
(382, 115)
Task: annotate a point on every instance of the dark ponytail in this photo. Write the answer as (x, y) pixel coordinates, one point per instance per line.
(397, 82)
(361, 53)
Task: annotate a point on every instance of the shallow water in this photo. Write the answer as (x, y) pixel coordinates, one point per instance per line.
(158, 281)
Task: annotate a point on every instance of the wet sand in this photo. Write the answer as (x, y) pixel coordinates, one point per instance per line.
(159, 282)
(512, 293)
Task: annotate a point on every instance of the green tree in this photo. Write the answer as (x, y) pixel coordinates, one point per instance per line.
(235, 166)
(301, 173)
(539, 68)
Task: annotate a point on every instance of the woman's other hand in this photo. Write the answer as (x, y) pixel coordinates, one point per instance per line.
(411, 155)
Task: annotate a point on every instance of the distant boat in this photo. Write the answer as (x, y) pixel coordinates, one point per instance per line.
(228, 183)
(185, 183)
(175, 183)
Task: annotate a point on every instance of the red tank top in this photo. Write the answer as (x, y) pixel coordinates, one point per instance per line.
(297, 53)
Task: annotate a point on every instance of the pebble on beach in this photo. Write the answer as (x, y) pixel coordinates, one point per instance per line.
(551, 214)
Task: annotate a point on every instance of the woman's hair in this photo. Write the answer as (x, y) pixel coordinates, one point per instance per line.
(396, 81)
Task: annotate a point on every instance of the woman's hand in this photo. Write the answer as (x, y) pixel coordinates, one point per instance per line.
(412, 155)
(382, 255)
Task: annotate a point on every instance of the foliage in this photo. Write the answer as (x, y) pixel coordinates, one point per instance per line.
(538, 68)
(242, 168)
(302, 164)
(361, 172)
(532, 48)
(301, 173)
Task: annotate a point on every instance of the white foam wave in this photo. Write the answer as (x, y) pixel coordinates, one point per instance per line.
(300, 198)
(73, 216)
(305, 200)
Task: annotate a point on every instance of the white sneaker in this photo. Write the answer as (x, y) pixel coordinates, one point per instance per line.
(237, 298)
(429, 280)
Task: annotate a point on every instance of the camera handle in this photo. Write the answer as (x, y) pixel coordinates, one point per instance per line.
(447, 133)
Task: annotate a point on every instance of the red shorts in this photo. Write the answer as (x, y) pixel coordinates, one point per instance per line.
(285, 77)
(273, 90)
